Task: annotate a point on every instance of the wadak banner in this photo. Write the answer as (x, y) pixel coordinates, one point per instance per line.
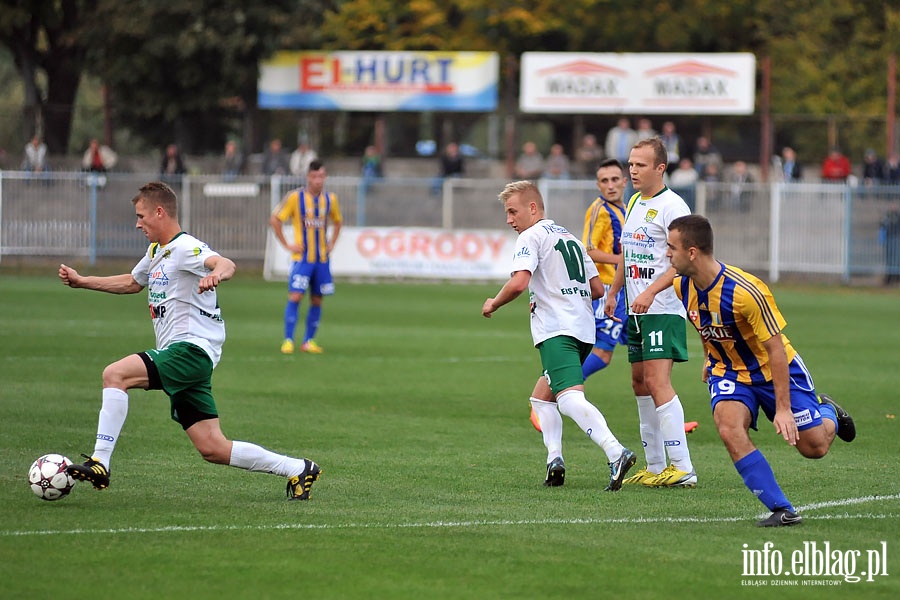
(380, 81)
(643, 84)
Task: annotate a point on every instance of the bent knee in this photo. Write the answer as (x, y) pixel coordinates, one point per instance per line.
(214, 455)
(813, 451)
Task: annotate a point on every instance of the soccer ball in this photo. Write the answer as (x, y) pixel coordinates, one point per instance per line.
(48, 478)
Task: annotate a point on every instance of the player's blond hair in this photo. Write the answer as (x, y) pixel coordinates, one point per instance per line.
(527, 189)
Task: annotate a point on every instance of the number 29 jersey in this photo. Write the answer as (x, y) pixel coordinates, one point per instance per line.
(559, 292)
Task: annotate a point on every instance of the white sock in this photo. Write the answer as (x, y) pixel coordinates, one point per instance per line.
(551, 426)
(251, 457)
(112, 416)
(671, 426)
(573, 404)
(652, 439)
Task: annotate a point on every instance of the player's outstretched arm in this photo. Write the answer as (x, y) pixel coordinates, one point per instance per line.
(112, 284)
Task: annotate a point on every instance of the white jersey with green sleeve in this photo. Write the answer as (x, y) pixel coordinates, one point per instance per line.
(559, 291)
(644, 236)
(172, 274)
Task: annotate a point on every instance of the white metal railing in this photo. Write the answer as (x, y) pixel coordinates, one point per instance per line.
(817, 229)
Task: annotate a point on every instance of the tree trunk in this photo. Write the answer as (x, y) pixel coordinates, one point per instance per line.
(63, 77)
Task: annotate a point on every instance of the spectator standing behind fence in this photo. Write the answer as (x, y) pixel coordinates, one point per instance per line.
(172, 165)
(892, 169)
(739, 193)
(707, 158)
(791, 169)
(645, 130)
(672, 142)
(301, 157)
(588, 157)
(684, 176)
(619, 141)
(557, 166)
(371, 164)
(98, 158)
(836, 167)
(35, 156)
(451, 164)
(232, 161)
(530, 164)
(873, 168)
(275, 162)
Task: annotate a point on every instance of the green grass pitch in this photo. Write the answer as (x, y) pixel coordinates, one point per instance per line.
(431, 486)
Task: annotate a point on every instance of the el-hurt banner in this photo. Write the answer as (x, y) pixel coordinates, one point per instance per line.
(380, 81)
(652, 83)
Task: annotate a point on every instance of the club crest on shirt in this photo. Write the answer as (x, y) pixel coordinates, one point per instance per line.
(651, 214)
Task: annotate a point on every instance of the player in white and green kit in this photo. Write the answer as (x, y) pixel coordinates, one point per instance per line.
(656, 318)
(181, 274)
(553, 266)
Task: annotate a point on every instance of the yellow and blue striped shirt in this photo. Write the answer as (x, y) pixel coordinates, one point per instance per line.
(603, 231)
(734, 317)
(309, 216)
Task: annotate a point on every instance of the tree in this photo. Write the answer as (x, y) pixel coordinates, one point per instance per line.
(179, 71)
(49, 56)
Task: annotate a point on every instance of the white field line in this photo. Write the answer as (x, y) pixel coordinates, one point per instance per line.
(468, 524)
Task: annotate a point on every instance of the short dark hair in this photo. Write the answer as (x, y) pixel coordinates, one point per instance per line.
(316, 164)
(612, 162)
(696, 232)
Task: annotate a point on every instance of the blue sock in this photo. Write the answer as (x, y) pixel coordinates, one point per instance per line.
(827, 411)
(759, 479)
(593, 364)
(290, 319)
(312, 322)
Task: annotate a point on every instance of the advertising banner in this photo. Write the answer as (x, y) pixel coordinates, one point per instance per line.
(426, 253)
(380, 81)
(650, 83)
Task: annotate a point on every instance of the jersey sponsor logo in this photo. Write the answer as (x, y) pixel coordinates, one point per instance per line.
(157, 312)
(315, 222)
(523, 251)
(159, 277)
(157, 296)
(651, 214)
(575, 291)
(639, 238)
(214, 317)
(803, 417)
(554, 228)
(636, 272)
(716, 333)
(639, 256)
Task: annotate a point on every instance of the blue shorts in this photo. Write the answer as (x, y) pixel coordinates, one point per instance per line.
(311, 276)
(611, 333)
(804, 403)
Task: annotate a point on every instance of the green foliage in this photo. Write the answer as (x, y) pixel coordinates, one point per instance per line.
(431, 488)
(187, 71)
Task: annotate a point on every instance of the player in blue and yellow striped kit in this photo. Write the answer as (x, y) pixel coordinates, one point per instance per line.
(750, 365)
(309, 210)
